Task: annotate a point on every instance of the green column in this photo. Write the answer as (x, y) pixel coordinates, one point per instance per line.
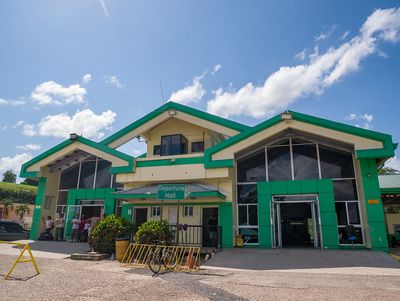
(264, 215)
(127, 211)
(375, 213)
(109, 206)
(34, 234)
(225, 220)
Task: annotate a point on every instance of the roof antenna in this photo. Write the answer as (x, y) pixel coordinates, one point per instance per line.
(162, 93)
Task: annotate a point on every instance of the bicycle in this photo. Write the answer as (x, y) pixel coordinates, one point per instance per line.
(161, 256)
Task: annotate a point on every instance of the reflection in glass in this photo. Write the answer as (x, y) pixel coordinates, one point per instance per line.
(335, 164)
(247, 193)
(250, 235)
(252, 168)
(341, 213)
(87, 174)
(345, 190)
(279, 168)
(253, 218)
(305, 162)
(243, 215)
(103, 177)
(69, 177)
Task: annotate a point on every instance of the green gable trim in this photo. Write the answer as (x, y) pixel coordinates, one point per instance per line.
(25, 174)
(172, 105)
(167, 162)
(385, 152)
(390, 190)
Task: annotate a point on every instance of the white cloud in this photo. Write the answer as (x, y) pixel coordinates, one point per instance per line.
(216, 68)
(301, 55)
(29, 130)
(86, 78)
(104, 7)
(113, 80)
(12, 102)
(393, 163)
(366, 118)
(84, 123)
(14, 163)
(52, 93)
(29, 146)
(345, 35)
(288, 84)
(191, 93)
(326, 34)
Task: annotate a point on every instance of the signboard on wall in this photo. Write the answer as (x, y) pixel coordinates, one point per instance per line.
(172, 192)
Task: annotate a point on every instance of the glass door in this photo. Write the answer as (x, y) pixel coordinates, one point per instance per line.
(72, 211)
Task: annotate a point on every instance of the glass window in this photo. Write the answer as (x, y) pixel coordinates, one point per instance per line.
(247, 194)
(69, 177)
(335, 164)
(253, 218)
(62, 197)
(279, 167)
(187, 210)
(252, 168)
(87, 174)
(341, 213)
(354, 214)
(345, 190)
(305, 162)
(250, 235)
(242, 215)
(197, 147)
(173, 145)
(156, 150)
(281, 142)
(155, 211)
(348, 237)
(103, 177)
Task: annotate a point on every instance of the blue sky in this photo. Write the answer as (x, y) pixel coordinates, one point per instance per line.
(96, 66)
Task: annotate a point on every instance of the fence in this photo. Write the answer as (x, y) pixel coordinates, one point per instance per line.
(197, 235)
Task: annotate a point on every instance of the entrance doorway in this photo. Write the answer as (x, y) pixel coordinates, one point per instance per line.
(296, 221)
(210, 226)
(140, 216)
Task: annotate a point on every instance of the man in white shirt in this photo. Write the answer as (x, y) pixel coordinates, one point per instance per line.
(59, 225)
(75, 228)
(49, 224)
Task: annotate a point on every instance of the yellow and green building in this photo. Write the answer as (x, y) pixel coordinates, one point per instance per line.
(291, 181)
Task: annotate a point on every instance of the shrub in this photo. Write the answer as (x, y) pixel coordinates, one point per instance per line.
(153, 230)
(18, 193)
(102, 237)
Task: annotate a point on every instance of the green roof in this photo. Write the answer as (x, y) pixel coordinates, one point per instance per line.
(389, 183)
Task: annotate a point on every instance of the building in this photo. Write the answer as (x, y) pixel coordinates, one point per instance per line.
(291, 181)
(390, 194)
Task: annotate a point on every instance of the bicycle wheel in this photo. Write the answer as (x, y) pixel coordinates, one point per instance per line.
(170, 259)
(155, 262)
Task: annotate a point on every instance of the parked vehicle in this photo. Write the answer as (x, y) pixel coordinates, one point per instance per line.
(12, 231)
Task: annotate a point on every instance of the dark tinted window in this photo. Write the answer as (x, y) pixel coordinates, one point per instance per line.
(103, 177)
(62, 197)
(173, 145)
(197, 147)
(69, 177)
(247, 194)
(279, 167)
(345, 190)
(243, 215)
(156, 150)
(354, 214)
(341, 213)
(305, 162)
(253, 218)
(87, 174)
(335, 163)
(252, 168)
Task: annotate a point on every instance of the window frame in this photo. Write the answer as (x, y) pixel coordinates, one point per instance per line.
(188, 211)
(183, 150)
(157, 210)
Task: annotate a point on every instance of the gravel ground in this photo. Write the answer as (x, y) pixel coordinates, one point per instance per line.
(106, 280)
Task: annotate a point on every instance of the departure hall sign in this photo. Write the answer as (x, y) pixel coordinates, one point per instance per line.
(172, 192)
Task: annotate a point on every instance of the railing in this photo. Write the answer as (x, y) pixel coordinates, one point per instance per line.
(196, 235)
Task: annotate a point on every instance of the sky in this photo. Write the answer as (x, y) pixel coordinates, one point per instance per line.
(93, 67)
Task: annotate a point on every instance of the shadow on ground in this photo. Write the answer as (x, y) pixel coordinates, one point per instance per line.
(287, 259)
(60, 247)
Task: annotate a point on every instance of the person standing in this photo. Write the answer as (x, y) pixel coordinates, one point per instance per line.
(75, 228)
(59, 225)
(49, 225)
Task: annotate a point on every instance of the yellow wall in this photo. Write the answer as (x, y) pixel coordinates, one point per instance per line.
(51, 195)
(392, 219)
(192, 133)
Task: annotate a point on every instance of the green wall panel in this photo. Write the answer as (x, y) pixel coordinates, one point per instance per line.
(37, 212)
(323, 188)
(225, 220)
(375, 213)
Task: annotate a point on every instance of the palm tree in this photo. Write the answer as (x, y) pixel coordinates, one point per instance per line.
(8, 205)
(22, 210)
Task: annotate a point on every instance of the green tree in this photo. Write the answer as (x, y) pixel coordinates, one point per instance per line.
(30, 182)
(9, 176)
(22, 210)
(8, 205)
(388, 171)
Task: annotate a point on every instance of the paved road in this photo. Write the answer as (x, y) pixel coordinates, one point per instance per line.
(107, 280)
